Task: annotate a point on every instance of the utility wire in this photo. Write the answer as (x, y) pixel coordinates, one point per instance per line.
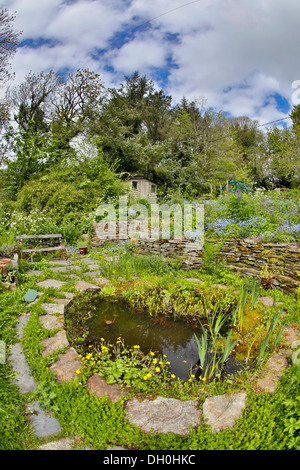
(163, 14)
(232, 134)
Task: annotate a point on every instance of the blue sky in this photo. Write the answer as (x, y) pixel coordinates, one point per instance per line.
(239, 56)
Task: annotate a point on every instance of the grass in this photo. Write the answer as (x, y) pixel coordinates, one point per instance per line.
(269, 422)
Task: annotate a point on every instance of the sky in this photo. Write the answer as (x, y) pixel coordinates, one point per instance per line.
(240, 56)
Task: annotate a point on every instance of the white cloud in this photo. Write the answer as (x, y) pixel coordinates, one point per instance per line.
(247, 49)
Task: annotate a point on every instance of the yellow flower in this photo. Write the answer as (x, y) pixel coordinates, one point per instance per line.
(136, 346)
(78, 372)
(154, 361)
(151, 353)
(173, 376)
(157, 369)
(102, 339)
(145, 377)
(149, 375)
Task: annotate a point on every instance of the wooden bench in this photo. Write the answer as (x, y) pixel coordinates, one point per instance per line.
(42, 243)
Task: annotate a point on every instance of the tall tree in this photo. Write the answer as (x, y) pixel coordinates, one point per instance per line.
(8, 42)
(76, 106)
(30, 101)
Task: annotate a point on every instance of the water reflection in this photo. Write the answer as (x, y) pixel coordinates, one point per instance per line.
(174, 339)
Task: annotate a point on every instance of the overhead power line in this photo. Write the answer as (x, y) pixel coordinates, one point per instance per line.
(232, 134)
(163, 14)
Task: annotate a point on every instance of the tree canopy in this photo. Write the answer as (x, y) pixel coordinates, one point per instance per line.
(134, 130)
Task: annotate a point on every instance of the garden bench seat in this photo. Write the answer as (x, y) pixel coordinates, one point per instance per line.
(42, 243)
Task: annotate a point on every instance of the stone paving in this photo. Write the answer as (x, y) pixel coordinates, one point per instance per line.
(161, 415)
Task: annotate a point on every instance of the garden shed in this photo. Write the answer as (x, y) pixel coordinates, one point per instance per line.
(142, 188)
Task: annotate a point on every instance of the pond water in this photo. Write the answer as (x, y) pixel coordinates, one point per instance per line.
(172, 338)
(175, 339)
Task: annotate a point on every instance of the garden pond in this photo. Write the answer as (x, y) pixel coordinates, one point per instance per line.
(171, 339)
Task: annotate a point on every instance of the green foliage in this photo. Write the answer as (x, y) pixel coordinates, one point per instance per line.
(240, 208)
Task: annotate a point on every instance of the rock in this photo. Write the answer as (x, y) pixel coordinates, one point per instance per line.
(83, 286)
(102, 281)
(290, 334)
(69, 295)
(98, 386)
(66, 366)
(62, 444)
(51, 283)
(93, 267)
(62, 262)
(267, 301)
(53, 308)
(62, 269)
(23, 377)
(93, 273)
(271, 373)
(58, 341)
(43, 421)
(51, 322)
(163, 415)
(23, 320)
(34, 272)
(222, 411)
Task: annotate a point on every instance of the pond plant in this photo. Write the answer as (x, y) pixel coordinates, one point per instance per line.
(228, 323)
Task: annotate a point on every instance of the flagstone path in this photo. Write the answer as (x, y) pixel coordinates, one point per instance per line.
(161, 415)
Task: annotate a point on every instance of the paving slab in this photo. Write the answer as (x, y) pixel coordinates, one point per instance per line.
(53, 308)
(60, 261)
(51, 283)
(92, 274)
(270, 374)
(93, 267)
(69, 295)
(102, 281)
(58, 341)
(83, 286)
(34, 272)
(52, 322)
(66, 366)
(164, 415)
(23, 320)
(62, 444)
(222, 411)
(23, 377)
(98, 386)
(43, 421)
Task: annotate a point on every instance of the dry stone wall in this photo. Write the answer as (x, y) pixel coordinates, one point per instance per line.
(247, 256)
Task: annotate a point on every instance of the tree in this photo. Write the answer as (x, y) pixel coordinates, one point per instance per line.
(30, 101)
(284, 155)
(8, 43)
(76, 107)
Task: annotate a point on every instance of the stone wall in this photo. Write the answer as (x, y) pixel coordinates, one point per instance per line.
(247, 256)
